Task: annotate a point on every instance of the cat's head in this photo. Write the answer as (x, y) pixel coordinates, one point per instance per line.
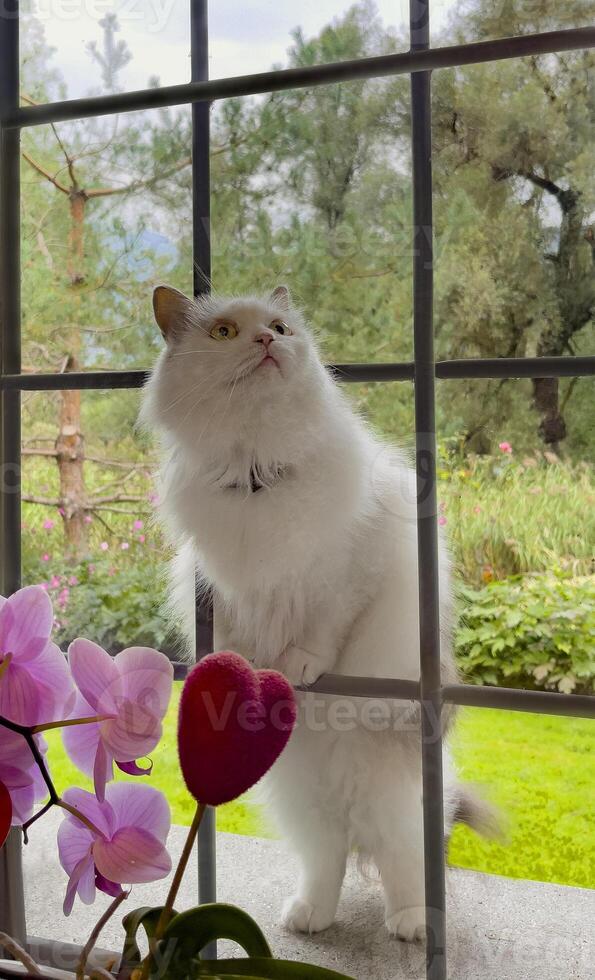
(228, 360)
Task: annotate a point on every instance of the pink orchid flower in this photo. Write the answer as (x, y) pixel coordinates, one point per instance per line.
(35, 682)
(20, 775)
(130, 692)
(127, 845)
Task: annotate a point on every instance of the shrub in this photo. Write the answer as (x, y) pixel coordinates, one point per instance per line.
(116, 603)
(508, 516)
(536, 631)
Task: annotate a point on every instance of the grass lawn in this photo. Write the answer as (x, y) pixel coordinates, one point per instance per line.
(540, 770)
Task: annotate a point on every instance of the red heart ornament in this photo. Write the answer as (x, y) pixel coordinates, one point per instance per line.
(5, 813)
(233, 724)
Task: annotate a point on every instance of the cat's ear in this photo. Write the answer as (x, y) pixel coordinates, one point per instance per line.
(280, 297)
(173, 311)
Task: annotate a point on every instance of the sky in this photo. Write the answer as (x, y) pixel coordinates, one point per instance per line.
(245, 35)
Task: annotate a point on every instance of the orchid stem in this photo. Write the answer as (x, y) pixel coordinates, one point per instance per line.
(68, 722)
(174, 888)
(179, 872)
(90, 944)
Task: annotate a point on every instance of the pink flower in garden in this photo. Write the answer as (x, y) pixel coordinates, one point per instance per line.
(138, 525)
(505, 447)
(45, 557)
(55, 581)
(133, 690)
(124, 546)
(88, 519)
(141, 538)
(48, 525)
(126, 847)
(35, 682)
(73, 580)
(442, 519)
(20, 775)
(104, 545)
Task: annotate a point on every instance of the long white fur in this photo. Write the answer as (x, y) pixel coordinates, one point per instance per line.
(316, 572)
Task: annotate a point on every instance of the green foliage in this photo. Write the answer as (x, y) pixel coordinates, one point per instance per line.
(187, 934)
(532, 632)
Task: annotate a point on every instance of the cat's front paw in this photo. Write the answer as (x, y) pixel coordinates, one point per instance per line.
(300, 916)
(300, 667)
(408, 924)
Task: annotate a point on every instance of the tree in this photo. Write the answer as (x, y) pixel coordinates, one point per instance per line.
(514, 146)
(72, 169)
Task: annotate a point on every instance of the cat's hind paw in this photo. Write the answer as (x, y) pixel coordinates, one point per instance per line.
(408, 924)
(300, 916)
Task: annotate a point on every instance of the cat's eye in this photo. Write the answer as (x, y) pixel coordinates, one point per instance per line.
(279, 327)
(223, 330)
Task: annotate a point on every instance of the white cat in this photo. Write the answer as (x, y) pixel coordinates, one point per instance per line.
(302, 524)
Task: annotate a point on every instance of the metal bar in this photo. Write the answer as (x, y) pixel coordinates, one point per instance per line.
(12, 902)
(479, 696)
(201, 249)
(515, 699)
(471, 367)
(427, 530)
(416, 60)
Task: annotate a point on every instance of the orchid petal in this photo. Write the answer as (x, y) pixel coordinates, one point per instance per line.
(147, 678)
(100, 814)
(132, 856)
(81, 741)
(132, 769)
(20, 698)
(103, 771)
(81, 871)
(140, 806)
(74, 843)
(26, 620)
(22, 804)
(133, 733)
(52, 675)
(95, 674)
(106, 886)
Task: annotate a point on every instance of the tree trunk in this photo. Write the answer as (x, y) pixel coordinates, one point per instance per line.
(70, 454)
(70, 443)
(552, 427)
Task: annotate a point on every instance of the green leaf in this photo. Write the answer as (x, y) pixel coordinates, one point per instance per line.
(193, 930)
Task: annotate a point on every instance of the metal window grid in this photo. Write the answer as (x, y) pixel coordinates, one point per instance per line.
(419, 62)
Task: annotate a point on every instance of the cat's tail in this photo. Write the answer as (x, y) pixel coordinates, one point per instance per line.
(467, 806)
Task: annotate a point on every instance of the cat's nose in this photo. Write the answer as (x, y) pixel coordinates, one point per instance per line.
(265, 337)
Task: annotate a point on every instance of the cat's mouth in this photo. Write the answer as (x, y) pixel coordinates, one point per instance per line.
(268, 361)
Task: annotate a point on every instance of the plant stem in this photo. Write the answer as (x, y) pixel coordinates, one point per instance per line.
(89, 945)
(67, 723)
(11, 946)
(179, 872)
(173, 889)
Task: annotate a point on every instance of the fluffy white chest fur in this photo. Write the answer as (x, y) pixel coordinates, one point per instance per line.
(302, 525)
